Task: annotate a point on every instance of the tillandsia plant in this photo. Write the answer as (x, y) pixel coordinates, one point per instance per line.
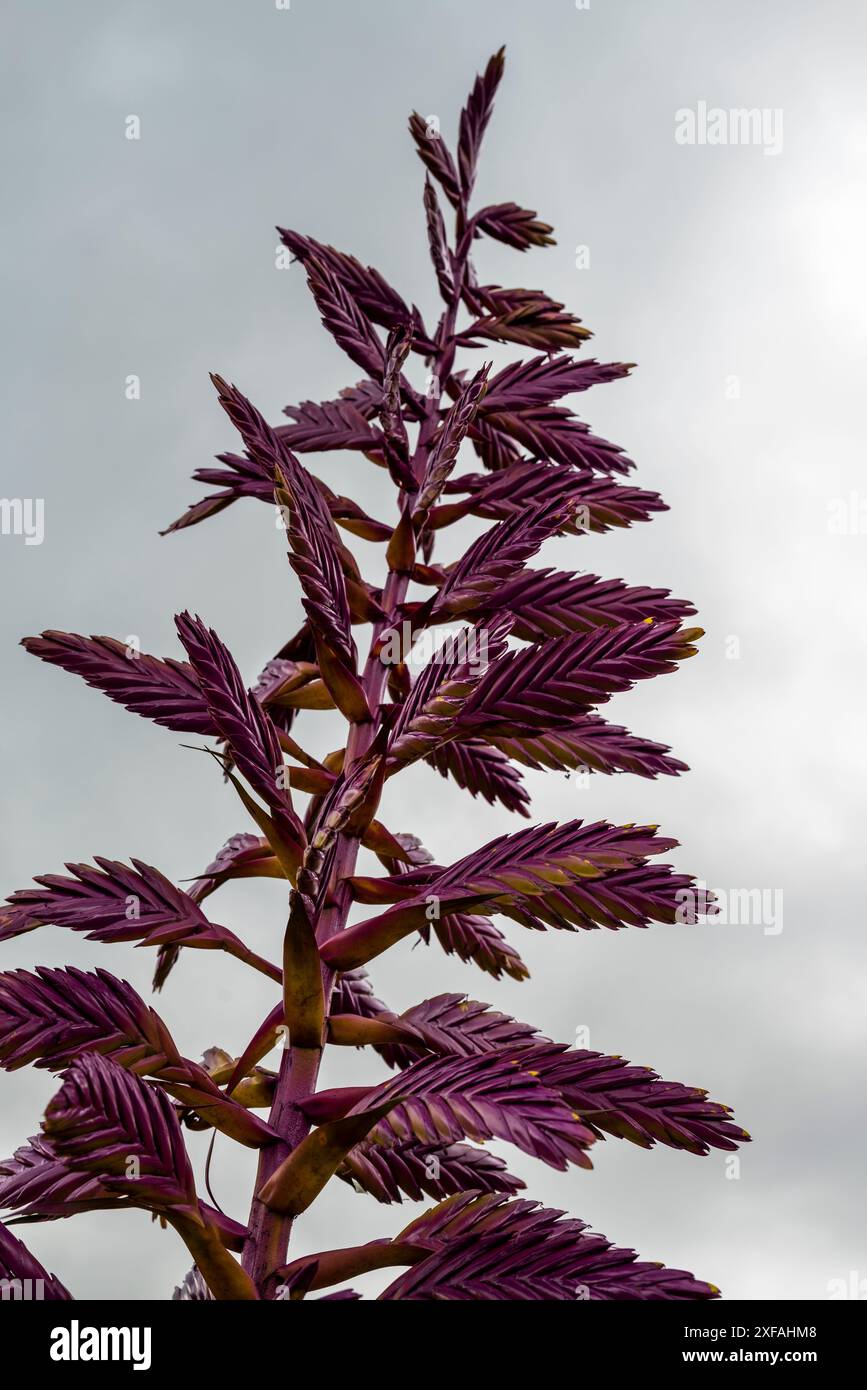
(527, 657)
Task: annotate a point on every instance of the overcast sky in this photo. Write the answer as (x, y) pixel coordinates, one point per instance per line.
(733, 274)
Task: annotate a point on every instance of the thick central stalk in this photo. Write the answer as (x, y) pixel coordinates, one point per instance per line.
(268, 1240)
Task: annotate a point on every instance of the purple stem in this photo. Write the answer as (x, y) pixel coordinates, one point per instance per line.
(268, 1240)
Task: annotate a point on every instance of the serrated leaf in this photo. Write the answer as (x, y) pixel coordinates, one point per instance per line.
(494, 561)
(50, 1017)
(246, 727)
(114, 902)
(107, 1122)
(548, 603)
(476, 939)
(629, 1102)
(165, 691)
(434, 155)
(538, 381)
(378, 300)
(438, 243)
(553, 433)
(451, 1025)
(598, 504)
(591, 742)
(527, 317)
(475, 117)
(322, 426)
(453, 430)
(490, 1248)
(560, 876)
(23, 1277)
(242, 856)
(428, 717)
(514, 226)
(346, 321)
(417, 1171)
(567, 676)
(444, 1100)
(482, 770)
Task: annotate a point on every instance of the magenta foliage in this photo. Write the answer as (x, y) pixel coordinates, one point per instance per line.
(530, 655)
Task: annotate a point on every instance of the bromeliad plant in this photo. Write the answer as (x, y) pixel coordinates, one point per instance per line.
(535, 653)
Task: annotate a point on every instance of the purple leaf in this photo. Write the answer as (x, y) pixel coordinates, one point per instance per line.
(451, 1025)
(165, 691)
(55, 1016)
(22, 1276)
(336, 424)
(482, 770)
(475, 117)
(527, 317)
(309, 522)
(493, 563)
(374, 296)
(476, 939)
(315, 550)
(601, 503)
(113, 902)
(633, 1103)
(365, 396)
(434, 155)
(193, 1289)
(42, 1186)
(591, 742)
(543, 380)
(439, 1100)
(553, 433)
(51, 1017)
(444, 451)
(242, 856)
(570, 675)
(548, 603)
(609, 1094)
(417, 1171)
(428, 717)
(438, 243)
(514, 225)
(564, 876)
(485, 1248)
(241, 721)
(623, 898)
(345, 320)
(315, 557)
(109, 1123)
(353, 994)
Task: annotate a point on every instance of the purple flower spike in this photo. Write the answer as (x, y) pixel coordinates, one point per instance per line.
(530, 655)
